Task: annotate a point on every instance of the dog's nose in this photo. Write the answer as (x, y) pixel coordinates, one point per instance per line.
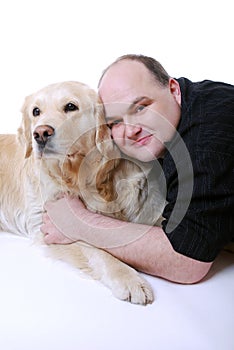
(42, 133)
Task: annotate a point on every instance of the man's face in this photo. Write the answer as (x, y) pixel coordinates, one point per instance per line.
(141, 113)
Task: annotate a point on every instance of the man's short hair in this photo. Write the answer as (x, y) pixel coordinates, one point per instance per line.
(155, 68)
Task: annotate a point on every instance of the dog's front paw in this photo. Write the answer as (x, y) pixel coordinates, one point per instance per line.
(134, 289)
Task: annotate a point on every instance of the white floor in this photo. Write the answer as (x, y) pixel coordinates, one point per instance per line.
(46, 305)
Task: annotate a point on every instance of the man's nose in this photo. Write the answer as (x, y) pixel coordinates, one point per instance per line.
(132, 131)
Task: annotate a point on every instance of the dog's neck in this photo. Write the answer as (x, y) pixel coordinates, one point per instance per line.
(89, 177)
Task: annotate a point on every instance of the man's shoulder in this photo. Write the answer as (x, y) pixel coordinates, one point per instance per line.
(205, 84)
(206, 90)
(207, 112)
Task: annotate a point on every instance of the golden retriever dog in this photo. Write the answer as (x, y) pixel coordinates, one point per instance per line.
(64, 145)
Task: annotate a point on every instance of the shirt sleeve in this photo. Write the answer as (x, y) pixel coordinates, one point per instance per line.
(207, 225)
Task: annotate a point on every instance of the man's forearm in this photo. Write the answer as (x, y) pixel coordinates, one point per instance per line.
(78, 223)
(154, 255)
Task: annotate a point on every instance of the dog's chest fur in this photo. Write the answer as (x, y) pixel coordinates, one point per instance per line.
(22, 193)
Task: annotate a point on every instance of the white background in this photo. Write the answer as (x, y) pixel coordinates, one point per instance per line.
(44, 306)
(47, 41)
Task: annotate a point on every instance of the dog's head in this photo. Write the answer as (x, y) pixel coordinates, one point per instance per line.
(66, 121)
(60, 117)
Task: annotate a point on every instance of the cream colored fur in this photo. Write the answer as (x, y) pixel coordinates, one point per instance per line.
(80, 159)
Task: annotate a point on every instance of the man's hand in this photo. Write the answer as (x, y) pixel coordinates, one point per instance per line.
(58, 231)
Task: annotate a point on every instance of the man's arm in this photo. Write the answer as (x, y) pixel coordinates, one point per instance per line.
(154, 255)
(145, 248)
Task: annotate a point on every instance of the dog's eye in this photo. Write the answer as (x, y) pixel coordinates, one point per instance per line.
(70, 107)
(36, 112)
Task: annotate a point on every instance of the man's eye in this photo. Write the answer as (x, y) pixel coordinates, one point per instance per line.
(140, 108)
(142, 104)
(36, 112)
(114, 123)
(70, 107)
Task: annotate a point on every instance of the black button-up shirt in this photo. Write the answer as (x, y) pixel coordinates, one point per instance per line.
(199, 171)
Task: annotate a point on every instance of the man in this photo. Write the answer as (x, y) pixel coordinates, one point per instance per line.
(149, 113)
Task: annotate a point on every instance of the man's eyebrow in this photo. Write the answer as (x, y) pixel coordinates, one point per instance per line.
(108, 119)
(134, 102)
(129, 109)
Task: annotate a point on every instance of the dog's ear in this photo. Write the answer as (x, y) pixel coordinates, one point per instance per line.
(104, 142)
(24, 131)
(111, 156)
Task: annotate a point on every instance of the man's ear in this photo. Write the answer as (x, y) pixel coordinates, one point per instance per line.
(24, 131)
(175, 90)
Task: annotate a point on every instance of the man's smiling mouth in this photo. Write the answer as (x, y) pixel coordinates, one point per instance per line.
(143, 140)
